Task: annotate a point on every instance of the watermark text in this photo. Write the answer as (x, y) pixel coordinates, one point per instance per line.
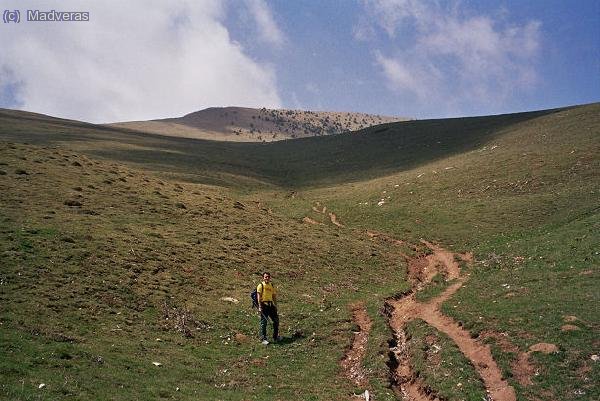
(14, 16)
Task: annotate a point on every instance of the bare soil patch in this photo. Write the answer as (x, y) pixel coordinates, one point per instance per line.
(569, 327)
(334, 220)
(406, 308)
(308, 220)
(352, 361)
(544, 348)
(523, 370)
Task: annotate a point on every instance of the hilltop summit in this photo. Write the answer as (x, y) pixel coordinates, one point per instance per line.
(242, 124)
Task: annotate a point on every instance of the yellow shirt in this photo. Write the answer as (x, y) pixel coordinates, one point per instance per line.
(266, 292)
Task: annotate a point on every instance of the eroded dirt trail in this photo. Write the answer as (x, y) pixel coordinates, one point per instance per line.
(352, 361)
(401, 310)
(334, 220)
(404, 309)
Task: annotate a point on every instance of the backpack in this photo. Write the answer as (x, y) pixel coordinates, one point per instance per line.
(254, 297)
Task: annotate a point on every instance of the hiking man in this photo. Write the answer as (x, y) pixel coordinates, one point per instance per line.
(267, 307)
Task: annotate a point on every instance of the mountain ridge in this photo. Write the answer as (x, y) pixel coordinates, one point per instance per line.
(244, 124)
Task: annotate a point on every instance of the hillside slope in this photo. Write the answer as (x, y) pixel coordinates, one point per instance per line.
(243, 124)
(117, 284)
(88, 208)
(526, 202)
(305, 162)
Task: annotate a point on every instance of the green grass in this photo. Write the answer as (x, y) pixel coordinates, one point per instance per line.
(440, 364)
(89, 281)
(528, 209)
(305, 162)
(527, 292)
(158, 221)
(437, 285)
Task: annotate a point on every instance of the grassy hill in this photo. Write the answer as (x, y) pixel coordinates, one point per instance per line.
(158, 221)
(243, 124)
(107, 269)
(304, 162)
(525, 199)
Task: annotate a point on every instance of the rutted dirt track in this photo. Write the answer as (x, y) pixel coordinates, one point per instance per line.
(352, 361)
(401, 310)
(406, 308)
(407, 385)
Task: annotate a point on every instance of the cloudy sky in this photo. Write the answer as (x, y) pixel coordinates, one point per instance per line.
(147, 59)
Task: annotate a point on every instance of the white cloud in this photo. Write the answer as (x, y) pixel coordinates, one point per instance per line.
(268, 29)
(453, 60)
(132, 60)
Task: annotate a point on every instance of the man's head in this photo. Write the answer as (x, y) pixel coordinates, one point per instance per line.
(266, 277)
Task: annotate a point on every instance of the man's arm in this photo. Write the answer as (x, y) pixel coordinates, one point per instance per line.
(258, 297)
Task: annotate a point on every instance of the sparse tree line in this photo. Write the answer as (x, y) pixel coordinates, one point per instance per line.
(269, 123)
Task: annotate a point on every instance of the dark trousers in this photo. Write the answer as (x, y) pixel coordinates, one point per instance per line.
(268, 311)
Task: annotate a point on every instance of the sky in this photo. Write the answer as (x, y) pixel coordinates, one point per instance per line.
(148, 59)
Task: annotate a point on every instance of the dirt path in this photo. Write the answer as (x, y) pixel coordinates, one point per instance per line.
(444, 258)
(406, 308)
(322, 209)
(421, 271)
(308, 220)
(334, 220)
(352, 361)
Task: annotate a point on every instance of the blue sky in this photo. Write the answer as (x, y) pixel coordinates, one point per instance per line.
(422, 59)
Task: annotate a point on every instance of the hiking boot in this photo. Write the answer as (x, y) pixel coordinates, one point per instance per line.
(264, 342)
(277, 339)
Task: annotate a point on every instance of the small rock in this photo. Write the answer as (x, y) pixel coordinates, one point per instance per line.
(180, 205)
(42, 385)
(157, 363)
(569, 327)
(595, 358)
(21, 172)
(229, 299)
(76, 164)
(2, 172)
(570, 319)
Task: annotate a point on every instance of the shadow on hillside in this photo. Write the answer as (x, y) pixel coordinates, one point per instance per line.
(287, 340)
(318, 161)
